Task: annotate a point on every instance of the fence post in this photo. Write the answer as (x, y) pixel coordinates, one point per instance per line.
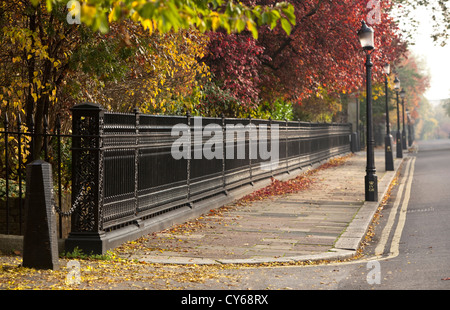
(286, 145)
(40, 244)
(136, 160)
(19, 169)
(58, 146)
(188, 160)
(224, 184)
(33, 139)
(6, 123)
(87, 180)
(270, 130)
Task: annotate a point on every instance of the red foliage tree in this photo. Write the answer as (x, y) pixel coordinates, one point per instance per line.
(235, 61)
(323, 49)
(322, 54)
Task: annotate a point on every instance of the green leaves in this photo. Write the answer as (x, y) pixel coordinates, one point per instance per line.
(283, 13)
(286, 23)
(168, 15)
(286, 26)
(289, 12)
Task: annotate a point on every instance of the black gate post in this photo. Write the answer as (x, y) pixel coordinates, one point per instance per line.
(40, 244)
(87, 180)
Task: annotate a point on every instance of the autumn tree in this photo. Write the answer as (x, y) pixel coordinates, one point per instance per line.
(42, 52)
(315, 64)
(36, 47)
(228, 17)
(131, 68)
(323, 52)
(48, 65)
(235, 61)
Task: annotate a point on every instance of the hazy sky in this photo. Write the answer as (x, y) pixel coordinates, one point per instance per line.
(437, 58)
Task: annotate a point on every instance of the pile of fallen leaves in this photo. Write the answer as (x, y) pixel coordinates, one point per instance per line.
(301, 182)
(114, 273)
(335, 162)
(277, 188)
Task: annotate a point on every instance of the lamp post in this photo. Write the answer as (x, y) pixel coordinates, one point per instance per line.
(388, 157)
(398, 136)
(366, 38)
(402, 95)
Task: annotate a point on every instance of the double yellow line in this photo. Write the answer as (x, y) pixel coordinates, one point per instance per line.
(406, 182)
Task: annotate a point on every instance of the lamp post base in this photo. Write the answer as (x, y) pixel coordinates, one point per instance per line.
(389, 157)
(371, 187)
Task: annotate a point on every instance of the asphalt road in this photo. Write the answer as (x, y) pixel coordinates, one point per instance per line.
(410, 249)
(416, 253)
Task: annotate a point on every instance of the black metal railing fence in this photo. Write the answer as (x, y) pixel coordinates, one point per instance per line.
(123, 171)
(126, 161)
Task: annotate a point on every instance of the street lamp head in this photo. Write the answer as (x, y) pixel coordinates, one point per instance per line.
(387, 68)
(396, 84)
(365, 35)
(402, 94)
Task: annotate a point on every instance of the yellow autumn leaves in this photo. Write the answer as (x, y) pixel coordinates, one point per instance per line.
(170, 78)
(104, 274)
(36, 51)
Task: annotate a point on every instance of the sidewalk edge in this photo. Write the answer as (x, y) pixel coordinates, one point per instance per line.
(353, 236)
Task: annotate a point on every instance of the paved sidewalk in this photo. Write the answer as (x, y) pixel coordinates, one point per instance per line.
(327, 221)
